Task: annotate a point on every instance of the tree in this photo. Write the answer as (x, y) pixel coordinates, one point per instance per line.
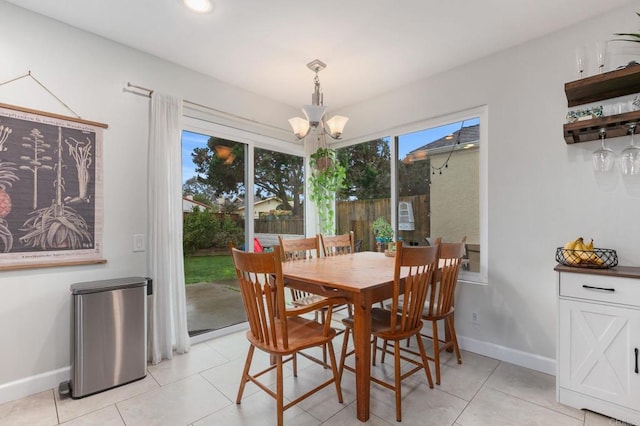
(201, 191)
(368, 170)
(221, 166)
(414, 177)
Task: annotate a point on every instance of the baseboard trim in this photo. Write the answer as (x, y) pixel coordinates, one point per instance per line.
(51, 379)
(512, 356)
(34, 384)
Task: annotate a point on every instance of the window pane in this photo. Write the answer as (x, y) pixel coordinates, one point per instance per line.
(438, 186)
(213, 191)
(368, 191)
(278, 196)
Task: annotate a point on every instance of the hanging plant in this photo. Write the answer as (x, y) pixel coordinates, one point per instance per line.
(327, 178)
(633, 37)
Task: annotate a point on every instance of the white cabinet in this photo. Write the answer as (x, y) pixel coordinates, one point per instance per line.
(598, 341)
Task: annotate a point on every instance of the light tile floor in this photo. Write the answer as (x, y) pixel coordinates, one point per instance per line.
(199, 388)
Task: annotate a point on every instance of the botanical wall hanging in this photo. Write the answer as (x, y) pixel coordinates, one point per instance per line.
(327, 177)
(50, 189)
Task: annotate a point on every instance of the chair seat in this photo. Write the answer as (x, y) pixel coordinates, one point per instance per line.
(309, 299)
(425, 312)
(380, 325)
(303, 333)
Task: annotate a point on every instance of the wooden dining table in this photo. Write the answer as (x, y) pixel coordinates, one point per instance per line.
(363, 278)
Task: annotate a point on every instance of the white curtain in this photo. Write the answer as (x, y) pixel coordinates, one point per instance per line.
(167, 311)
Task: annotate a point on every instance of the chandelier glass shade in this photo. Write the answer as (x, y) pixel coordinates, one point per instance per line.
(315, 112)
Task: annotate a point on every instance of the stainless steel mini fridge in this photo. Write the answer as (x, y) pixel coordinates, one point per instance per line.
(109, 344)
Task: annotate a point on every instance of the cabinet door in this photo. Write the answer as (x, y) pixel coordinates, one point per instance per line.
(597, 351)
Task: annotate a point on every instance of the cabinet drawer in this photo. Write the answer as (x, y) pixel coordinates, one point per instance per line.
(619, 290)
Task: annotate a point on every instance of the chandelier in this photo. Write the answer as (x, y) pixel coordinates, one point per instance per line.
(315, 112)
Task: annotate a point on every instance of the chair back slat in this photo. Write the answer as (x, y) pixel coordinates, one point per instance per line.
(420, 264)
(262, 289)
(443, 286)
(337, 245)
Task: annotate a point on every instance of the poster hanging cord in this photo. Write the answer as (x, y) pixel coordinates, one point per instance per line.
(28, 74)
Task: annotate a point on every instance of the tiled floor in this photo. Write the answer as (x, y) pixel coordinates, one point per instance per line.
(199, 388)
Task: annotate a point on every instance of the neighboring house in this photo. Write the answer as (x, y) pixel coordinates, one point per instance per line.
(262, 206)
(454, 197)
(188, 203)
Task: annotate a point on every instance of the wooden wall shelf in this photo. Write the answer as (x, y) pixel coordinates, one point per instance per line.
(612, 84)
(589, 130)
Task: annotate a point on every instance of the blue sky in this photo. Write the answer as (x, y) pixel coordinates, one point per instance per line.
(189, 142)
(408, 143)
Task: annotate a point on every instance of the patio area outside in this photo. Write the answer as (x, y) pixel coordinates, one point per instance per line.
(212, 294)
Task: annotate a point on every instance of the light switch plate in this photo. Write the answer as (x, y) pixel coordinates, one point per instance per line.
(138, 242)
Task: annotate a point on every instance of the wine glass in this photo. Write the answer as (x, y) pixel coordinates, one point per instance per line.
(581, 59)
(603, 158)
(601, 55)
(630, 156)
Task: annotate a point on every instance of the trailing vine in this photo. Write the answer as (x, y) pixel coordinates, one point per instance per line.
(327, 177)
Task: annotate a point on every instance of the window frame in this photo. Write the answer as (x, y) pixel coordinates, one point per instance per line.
(481, 112)
(205, 124)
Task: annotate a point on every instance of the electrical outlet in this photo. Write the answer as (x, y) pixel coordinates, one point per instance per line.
(475, 318)
(138, 242)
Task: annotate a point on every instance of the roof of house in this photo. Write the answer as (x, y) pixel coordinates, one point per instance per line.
(188, 199)
(466, 135)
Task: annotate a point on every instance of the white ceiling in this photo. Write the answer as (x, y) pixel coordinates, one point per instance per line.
(370, 46)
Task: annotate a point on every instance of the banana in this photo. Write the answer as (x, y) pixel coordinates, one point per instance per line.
(589, 247)
(581, 251)
(571, 257)
(576, 252)
(570, 245)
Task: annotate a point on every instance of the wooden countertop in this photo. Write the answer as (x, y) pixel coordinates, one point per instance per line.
(618, 271)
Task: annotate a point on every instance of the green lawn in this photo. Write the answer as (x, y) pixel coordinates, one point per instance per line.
(199, 269)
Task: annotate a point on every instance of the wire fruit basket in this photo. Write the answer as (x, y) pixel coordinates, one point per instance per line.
(597, 258)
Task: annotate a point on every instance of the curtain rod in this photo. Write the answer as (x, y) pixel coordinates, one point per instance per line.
(249, 120)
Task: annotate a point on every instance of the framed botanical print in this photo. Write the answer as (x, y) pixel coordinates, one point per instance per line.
(50, 189)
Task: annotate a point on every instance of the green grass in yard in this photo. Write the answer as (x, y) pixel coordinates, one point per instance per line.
(207, 269)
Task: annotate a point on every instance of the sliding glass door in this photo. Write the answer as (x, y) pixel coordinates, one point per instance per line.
(214, 193)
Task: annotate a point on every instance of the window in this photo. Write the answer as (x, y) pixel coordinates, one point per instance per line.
(368, 190)
(437, 186)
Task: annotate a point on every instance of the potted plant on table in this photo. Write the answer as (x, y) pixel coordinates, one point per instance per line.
(327, 178)
(383, 232)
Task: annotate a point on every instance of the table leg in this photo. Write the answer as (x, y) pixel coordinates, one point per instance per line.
(362, 345)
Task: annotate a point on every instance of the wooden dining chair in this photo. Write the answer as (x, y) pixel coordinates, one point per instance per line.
(400, 322)
(280, 332)
(336, 245)
(302, 249)
(440, 302)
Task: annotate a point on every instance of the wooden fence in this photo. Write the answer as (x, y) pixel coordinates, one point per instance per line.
(357, 216)
(279, 226)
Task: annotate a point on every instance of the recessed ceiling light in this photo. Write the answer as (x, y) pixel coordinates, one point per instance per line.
(200, 6)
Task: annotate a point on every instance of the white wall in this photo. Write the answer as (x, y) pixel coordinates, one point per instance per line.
(89, 73)
(542, 191)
